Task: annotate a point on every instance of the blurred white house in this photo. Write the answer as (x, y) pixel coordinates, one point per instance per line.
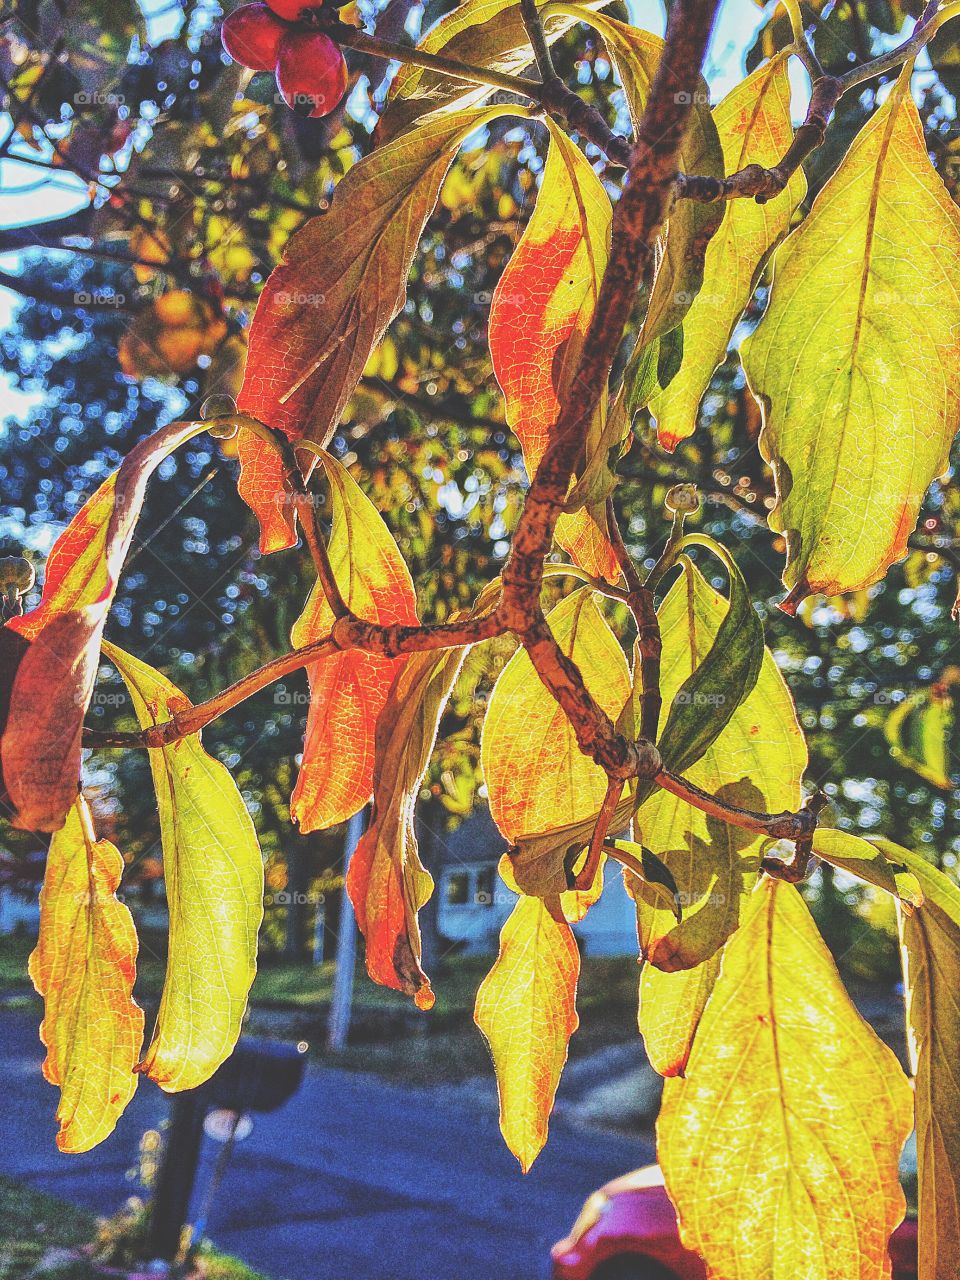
(474, 902)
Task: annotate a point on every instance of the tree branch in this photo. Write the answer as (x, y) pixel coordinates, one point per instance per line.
(638, 217)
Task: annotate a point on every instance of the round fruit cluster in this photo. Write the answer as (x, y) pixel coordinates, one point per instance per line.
(311, 73)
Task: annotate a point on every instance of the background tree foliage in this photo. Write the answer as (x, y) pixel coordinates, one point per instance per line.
(139, 306)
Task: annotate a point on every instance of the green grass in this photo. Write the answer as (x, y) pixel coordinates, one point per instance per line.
(388, 1036)
(32, 1222)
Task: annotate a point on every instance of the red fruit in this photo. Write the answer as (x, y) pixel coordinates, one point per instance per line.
(291, 10)
(311, 73)
(251, 35)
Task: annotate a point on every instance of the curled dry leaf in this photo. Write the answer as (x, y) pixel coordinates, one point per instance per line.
(386, 880)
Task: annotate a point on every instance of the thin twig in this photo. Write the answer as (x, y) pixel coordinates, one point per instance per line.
(533, 25)
(585, 877)
(350, 38)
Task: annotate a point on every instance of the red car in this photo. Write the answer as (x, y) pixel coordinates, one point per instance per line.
(628, 1231)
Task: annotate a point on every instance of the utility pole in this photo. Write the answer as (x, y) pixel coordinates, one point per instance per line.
(342, 998)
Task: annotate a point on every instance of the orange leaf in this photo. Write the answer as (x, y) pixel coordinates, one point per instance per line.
(51, 691)
(328, 304)
(526, 1009)
(780, 1147)
(348, 690)
(386, 880)
(84, 966)
(540, 313)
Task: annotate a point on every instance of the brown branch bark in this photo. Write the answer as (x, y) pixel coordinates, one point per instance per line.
(638, 217)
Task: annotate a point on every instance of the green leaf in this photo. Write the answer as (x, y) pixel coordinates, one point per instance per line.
(756, 762)
(918, 732)
(213, 873)
(860, 858)
(654, 873)
(856, 361)
(755, 127)
(930, 941)
(709, 697)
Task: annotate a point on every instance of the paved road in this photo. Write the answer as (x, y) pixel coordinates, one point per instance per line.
(353, 1179)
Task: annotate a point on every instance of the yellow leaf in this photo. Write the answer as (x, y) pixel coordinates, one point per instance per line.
(537, 777)
(930, 941)
(683, 243)
(856, 360)
(755, 127)
(213, 874)
(84, 966)
(526, 1009)
(669, 1012)
(756, 762)
(860, 858)
(485, 33)
(780, 1146)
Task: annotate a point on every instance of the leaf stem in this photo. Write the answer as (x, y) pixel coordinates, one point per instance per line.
(585, 877)
(649, 643)
(350, 38)
(777, 826)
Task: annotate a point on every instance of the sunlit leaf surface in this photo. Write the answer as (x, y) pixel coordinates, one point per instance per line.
(537, 777)
(84, 966)
(540, 312)
(324, 309)
(386, 880)
(526, 1009)
(756, 762)
(857, 361)
(755, 127)
(348, 690)
(55, 677)
(213, 874)
(780, 1146)
(930, 939)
